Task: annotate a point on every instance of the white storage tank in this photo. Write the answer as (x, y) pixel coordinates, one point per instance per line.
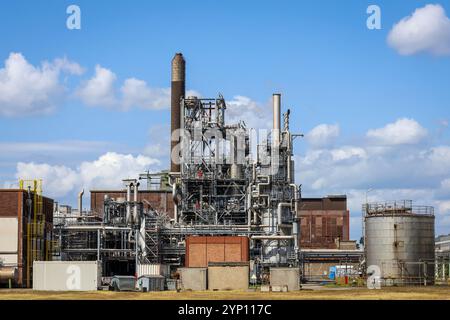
(399, 240)
(66, 275)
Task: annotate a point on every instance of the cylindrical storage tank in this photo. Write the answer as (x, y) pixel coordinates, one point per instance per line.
(401, 244)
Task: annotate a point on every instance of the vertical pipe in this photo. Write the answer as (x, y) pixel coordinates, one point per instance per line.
(276, 101)
(98, 244)
(175, 206)
(136, 209)
(80, 202)
(128, 214)
(177, 92)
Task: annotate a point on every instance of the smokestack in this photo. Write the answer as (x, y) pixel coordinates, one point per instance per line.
(276, 99)
(80, 202)
(177, 91)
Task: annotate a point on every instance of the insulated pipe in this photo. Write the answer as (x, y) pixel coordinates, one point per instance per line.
(280, 205)
(289, 148)
(272, 237)
(128, 214)
(136, 209)
(276, 101)
(142, 238)
(295, 227)
(175, 202)
(80, 202)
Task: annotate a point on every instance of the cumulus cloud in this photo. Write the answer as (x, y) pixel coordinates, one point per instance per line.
(254, 114)
(64, 146)
(402, 131)
(323, 135)
(159, 137)
(29, 90)
(105, 172)
(99, 90)
(58, 180)
(426, 30)
(395, 166)
(137, 93)
(102, 90)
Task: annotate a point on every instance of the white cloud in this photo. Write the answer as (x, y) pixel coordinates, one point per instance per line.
(445, 184)
(65, 146)
(99, 90)
(105, 172)
(137, 93)
(58, 180)
(159, 137)
(29, 90)
(426, 30)
(444, 207)
(108, 170)
(254, 114)
(348, 152)
(403, 131)
(417, 172)
(323, 135)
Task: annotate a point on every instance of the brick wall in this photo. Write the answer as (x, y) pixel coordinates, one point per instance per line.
(202, 250)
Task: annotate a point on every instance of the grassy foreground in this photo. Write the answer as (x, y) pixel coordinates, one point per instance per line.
(403, 293)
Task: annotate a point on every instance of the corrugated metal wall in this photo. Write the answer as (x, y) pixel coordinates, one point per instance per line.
(322, 220)
(320, 228)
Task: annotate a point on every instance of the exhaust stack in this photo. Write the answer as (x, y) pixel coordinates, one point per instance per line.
(276, 100)
(80, 202)
(177, 92)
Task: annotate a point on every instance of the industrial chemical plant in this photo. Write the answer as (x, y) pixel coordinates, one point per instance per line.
(228, 215)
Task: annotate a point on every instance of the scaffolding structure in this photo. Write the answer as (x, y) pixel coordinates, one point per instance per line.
(38, 235)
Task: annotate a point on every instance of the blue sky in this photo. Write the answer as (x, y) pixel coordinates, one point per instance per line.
(330, 68)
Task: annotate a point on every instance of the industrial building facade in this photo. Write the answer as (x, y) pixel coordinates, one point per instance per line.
(26, 226)
(159, 200)
(323, 221)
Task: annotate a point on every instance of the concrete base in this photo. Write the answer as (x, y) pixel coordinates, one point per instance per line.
(289, 277)
(193, 278)
(228, 277)
(265, 288)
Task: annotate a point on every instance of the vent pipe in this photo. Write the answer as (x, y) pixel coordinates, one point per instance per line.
(276, 100)
(80, 202)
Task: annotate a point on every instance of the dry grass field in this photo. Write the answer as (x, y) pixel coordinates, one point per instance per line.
(398, 293)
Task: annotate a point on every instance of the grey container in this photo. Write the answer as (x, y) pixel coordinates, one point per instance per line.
(285, 277)
(402, 246)
(193, 278)
(123, 283)
(151, 283)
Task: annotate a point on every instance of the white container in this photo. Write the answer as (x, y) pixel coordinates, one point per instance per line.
(66, 275)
